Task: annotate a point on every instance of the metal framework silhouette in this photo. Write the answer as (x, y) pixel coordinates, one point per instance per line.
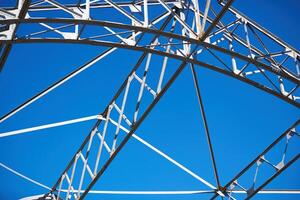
(198, 33)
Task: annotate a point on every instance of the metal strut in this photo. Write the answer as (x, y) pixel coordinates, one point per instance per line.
(285, 160)
(23, 8)
(56, 189)
(205, 124)
(270, 71)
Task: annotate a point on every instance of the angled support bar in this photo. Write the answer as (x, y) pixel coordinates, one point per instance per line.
(7, 47)
(133, 128)
(262, 159)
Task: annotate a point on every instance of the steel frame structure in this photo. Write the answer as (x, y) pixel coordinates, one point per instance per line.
(217, 37)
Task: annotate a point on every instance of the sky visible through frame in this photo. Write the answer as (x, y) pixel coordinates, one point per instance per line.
(242, 119)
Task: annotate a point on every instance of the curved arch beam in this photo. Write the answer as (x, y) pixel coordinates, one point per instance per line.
(278, 71)
(161, 53)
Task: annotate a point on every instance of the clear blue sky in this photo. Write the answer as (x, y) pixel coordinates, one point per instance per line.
(242, 119)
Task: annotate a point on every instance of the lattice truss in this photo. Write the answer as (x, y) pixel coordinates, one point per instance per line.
(209, 34)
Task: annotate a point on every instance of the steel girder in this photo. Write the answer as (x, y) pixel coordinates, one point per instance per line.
(195, 36)
(274, 71)
(275, 165)
(84, 152)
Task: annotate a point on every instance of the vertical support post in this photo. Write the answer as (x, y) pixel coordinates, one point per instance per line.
(197, 88)
(184, 32)
(87, 9)
(121, 113)
(297, 66)
(164, 65)
(233, 61)
(142, 88)
(72, 177)
(102, 139)
(86, 161)
(133, 35)
(247, 37)
(197, 17)
(60, 186)
(207, 6)
(146, 13)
